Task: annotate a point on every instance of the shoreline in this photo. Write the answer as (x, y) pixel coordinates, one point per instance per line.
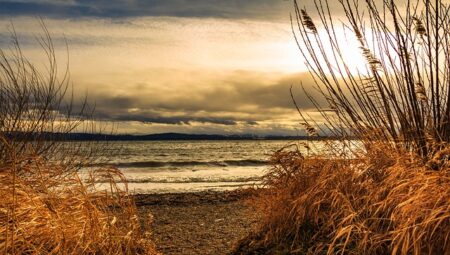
(196, 197)
(205, 222)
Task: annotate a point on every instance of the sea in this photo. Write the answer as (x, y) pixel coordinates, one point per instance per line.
(189, 166)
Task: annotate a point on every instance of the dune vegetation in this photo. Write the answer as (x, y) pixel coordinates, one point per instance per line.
(384, 187)
(383, 202)
(47, 206)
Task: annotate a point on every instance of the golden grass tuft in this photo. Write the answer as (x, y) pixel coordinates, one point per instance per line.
(46, 210)
(384, 202)
(49, 208)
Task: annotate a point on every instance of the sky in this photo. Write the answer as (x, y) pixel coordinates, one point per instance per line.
(190, 66)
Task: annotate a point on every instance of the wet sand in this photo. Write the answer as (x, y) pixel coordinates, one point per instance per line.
(197, 223)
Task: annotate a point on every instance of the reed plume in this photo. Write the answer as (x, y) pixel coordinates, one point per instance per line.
(407, 73)
(384, 186)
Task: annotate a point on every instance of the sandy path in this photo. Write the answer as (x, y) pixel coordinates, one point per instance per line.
(197, 223)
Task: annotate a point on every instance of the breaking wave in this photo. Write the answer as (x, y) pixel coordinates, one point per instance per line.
(190, 180)
(224, 163)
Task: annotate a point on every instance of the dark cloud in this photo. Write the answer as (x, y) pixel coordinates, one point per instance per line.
(240, 91)
(176, 8)
(27, 40)
(120, 102)
(176, 120)
(234, 102)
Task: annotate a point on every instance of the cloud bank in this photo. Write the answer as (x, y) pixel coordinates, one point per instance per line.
(197, 66)
(230, 9)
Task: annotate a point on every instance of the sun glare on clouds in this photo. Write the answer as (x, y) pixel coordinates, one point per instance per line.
(142, 69)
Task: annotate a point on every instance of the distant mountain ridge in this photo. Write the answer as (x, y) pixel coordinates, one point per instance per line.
(155, 137)
(174, 136)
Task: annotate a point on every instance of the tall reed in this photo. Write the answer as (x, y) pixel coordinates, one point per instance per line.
(393, 195)
(37, 101)
(402, 94)
(48, 207)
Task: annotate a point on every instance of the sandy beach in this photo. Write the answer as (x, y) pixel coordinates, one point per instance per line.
(197, 223)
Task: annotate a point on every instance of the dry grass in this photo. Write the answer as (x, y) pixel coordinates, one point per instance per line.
(46, 210)
(394, 197)
(384, 202)
(401, 95)
(46, 206)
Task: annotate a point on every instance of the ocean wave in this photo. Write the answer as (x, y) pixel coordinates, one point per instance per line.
(224, 163)
(189, 180)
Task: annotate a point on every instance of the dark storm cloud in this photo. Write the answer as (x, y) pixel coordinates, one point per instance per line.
(240, 91)
(137, 8)
(232, 103)
(175, 120)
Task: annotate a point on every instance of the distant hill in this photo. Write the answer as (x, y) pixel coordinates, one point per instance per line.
(155, 137)
(174, 136)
